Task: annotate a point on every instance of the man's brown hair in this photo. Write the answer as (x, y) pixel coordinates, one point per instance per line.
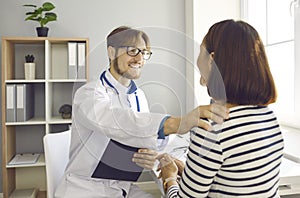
(126, 36)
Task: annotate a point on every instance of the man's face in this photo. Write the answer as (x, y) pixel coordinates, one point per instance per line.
(128, 66)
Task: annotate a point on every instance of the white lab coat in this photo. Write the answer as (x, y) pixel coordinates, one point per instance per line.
(104, 110)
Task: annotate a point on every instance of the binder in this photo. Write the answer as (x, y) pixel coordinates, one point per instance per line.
(81, 60)
(72, 60)
(116, 163)
(59, 61)
(11, 99)
(25, 102)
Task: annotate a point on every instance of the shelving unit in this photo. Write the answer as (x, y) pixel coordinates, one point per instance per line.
(52, 88)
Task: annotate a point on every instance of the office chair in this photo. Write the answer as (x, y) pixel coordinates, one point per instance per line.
(56, 148)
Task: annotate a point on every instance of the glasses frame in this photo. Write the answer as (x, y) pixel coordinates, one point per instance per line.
(139, 51)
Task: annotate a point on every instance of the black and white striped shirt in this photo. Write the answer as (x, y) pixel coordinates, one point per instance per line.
(240, 158)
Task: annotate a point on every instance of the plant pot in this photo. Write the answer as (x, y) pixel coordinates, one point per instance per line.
(29, 69)
(42, 31)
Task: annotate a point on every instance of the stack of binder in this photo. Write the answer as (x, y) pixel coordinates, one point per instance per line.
(76, 60)
(19, 102)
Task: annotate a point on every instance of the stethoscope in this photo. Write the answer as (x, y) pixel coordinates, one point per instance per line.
(131, 90)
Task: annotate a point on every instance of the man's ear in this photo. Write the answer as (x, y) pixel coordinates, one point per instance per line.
(111, 52)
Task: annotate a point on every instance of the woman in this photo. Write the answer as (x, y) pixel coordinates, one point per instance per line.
(242, 156)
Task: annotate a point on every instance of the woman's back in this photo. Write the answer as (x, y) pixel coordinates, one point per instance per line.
(241, 158)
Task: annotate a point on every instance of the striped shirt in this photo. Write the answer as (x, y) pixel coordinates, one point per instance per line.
(241, 157)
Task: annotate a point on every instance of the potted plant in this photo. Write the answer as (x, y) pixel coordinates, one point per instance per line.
(41, 15)
(29, 67)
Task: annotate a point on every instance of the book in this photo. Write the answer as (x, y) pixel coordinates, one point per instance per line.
(116, 163)
(24, 158)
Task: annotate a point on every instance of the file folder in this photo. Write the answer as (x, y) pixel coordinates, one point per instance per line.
(24, 158)
(72, 60)
(116, 163)
(25, 102)
(24, 193)
(11, 112)
(81, 60)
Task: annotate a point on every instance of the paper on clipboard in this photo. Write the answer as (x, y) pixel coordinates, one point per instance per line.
(116, 163)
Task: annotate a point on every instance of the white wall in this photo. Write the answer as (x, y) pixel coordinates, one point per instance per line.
(164, 77)
(205, 14)
(96, 18)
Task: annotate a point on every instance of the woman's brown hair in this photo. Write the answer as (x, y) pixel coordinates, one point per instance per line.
(241, 62)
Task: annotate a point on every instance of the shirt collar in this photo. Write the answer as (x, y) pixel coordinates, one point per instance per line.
(118, 86)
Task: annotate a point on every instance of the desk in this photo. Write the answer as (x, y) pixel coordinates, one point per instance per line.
(290, 168)
(289, 182)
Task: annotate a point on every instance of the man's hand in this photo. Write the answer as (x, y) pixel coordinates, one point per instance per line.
(145, 158)
(214, 112)
(181, 125)
(167, 166)
(180, 164)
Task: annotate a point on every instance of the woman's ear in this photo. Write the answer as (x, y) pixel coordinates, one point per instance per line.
(111, 51)
(211, 57)
(211, 60)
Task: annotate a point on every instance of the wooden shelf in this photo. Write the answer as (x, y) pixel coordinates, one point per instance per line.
(52, 89)
(40, 162)
(25, 81)
(33, 121)
(59, 120)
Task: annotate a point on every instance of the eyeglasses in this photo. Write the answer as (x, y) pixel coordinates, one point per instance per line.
(134, 51)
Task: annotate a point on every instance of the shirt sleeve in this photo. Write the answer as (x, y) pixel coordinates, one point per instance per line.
(172, 191)
(161, 134)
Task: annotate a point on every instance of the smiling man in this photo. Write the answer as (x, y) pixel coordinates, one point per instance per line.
(113, 111)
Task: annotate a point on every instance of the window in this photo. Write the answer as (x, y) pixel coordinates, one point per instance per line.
(276, 22)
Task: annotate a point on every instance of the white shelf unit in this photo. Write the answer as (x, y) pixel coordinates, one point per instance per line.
(52, 88)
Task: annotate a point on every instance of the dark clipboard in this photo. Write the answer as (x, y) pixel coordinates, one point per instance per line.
(116, 163)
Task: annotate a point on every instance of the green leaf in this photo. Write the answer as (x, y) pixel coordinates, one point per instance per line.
(39, 15)
(31, 13)
(30, 5)
(51, 15)
(39, 10)
(48, 6)
(31, 18)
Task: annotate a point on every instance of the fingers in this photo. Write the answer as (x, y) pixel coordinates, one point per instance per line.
(145, 158)
(214, 112)
(165, 159)
(167, 166)
(205, 125)
(146, 154)
(146, 166)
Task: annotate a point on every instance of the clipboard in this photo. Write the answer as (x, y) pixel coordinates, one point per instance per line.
(116, 163)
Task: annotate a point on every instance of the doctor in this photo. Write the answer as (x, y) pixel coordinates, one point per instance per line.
(113, 107)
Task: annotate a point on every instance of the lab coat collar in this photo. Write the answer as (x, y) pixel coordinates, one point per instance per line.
(118, 87)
